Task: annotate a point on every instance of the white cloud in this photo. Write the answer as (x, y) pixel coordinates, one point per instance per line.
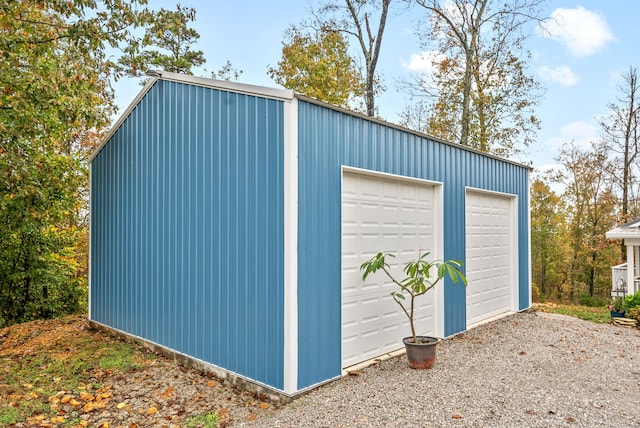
(423, 62)
(561, 74)
(580, 130)
(581, 31)
(581, 133)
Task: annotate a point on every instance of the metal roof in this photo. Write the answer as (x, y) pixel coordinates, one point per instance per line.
(280, 94)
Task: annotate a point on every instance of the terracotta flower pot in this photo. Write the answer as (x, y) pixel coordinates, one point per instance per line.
(421, 355)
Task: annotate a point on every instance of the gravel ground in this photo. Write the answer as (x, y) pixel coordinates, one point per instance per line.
(531, 369)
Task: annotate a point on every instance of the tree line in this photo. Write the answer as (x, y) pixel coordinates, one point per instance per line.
(57, 69)
(599, 188)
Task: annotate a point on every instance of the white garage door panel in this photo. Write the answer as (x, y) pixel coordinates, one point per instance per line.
(490, 255)
(380, 214)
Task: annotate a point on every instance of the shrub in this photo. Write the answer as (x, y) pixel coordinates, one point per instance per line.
(632, 300)
(634, 313)
(591, 301)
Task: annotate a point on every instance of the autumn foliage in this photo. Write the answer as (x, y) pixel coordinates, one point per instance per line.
(55, 97)
(318, 65)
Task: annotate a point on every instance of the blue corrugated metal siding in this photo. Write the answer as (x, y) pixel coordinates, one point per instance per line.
(187, 227)
(329, 139)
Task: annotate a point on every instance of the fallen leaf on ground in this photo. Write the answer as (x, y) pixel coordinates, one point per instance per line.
(121, 405)
(211, 384)
(85, 396)
(264, 406)
(168, 392)
(456, 416)
(94, 405)
(152, 410)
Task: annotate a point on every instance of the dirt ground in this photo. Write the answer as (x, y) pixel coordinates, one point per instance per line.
(62, 373)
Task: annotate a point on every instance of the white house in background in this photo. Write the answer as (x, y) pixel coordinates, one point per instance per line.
(626, 277)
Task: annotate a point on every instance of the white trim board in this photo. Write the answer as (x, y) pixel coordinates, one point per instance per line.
(290, 350)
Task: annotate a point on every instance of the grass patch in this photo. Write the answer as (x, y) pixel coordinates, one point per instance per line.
(209, 420)
(119, 357)
(9, 415)
(588, 313)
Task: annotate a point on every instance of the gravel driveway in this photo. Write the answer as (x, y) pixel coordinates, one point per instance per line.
(531, 369)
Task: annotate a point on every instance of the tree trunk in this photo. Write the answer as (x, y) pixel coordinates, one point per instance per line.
(370, 49)
(465, 119)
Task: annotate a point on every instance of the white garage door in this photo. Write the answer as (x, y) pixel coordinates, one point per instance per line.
(491, 261)
(381, 213)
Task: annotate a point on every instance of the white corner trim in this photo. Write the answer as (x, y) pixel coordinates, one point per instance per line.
(291, 246)
(529, 268)
(90, 268)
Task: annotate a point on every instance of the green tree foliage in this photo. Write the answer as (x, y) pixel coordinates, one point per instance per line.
(483, 96)
(38, 264)
(167, 44)
(318, 66)
(55, 92)
(549, 249)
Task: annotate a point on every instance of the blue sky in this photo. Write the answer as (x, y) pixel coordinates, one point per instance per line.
(578, 62)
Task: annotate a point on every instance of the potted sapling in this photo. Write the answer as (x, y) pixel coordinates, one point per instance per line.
(421, 276)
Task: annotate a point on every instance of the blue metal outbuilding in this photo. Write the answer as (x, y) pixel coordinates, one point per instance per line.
(217, 224)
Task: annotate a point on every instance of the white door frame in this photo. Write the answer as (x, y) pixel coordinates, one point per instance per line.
(438, 241)
(514, 257)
